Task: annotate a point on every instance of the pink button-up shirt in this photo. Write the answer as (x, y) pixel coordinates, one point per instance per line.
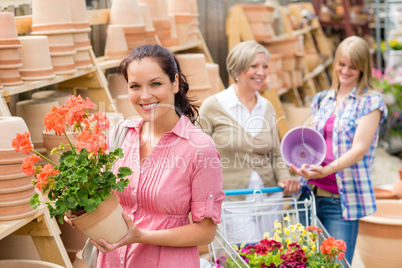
(181, 175)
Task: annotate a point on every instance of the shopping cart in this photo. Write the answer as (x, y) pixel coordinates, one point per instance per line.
(260, 211)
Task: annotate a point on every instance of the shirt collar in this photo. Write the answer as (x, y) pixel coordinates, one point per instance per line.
(231, 99)
(181, 129)
(352, 94)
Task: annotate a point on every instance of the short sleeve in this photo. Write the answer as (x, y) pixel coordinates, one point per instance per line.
(206, 185)
(314, 102)
(374, 102)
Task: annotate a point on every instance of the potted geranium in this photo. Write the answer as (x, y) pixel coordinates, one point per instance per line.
(290, 246)
(82, 180)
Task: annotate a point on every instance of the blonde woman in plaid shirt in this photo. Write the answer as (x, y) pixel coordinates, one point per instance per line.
(348, 117)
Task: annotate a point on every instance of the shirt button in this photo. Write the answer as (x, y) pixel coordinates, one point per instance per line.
(211, 195)
(135, 206)
(141, 171)
(122, 262)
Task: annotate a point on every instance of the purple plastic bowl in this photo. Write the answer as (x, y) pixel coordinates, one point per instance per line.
(303, 145)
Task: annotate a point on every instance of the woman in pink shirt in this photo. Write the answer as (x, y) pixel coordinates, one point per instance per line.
(176, 170)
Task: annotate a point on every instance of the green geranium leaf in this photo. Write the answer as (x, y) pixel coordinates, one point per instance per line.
(124, 172)
(119, 153)
(122, 184)
(81, 160)
(34, 201)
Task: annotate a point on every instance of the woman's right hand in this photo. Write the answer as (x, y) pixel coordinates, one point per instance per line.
(67, 218)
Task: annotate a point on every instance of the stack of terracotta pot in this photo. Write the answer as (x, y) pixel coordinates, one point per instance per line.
(180, 10)
(127, 15)
(16, 188)
(194, 68)
(81, 39)
(164, 25)
(193, 31)
(292, 60)
(150, 32)
(35, 57)
(53, 19)
(260, 18)
(10, 60)
(274, 72)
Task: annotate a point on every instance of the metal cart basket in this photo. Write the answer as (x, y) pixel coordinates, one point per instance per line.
(247, 221)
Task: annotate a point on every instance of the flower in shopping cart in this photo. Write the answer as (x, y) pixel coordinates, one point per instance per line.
(82, 178)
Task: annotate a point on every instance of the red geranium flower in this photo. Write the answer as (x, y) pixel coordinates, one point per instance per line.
(22, 142)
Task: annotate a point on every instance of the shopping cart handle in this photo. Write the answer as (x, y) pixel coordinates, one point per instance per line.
(252, 191)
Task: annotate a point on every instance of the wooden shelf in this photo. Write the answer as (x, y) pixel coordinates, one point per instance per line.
(319, 69)
(30, 85)
(45, 234)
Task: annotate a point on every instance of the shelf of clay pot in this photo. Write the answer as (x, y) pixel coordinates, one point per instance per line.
(185, 46)
(108, 63)
(319, 69)
(30, 85)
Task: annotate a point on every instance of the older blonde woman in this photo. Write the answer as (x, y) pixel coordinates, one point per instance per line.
(243, 127)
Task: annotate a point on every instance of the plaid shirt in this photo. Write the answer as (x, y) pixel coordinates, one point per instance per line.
(354, 184)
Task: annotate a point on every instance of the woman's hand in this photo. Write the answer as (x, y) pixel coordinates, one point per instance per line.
(289, 186)
(308, 171)
(133, 235)
(67, 218)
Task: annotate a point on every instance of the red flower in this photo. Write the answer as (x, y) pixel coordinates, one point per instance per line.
(46, 172)
(22, 142)
(78, 108)
(313, 228)
(28, 163)
(91, 142)
(54, 120)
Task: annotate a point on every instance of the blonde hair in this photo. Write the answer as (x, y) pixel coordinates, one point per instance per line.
(241, 56)
(358, 52)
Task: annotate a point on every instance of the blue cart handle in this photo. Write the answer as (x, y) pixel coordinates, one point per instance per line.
(252, 191)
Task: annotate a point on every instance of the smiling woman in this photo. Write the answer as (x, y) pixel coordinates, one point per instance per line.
(174, 170)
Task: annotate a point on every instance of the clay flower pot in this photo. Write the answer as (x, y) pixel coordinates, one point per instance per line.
(8, 33)
(105, 222)
(146, 16)
(64, 64)
(117, 85)
(152, 7)
(380, 236)
(10, 77)
(30, 111)
(38, 65)
(193, 66)
(79, 15)
(289, 45)
(213, 75)
(14, 210)
(303, 145)
(83, 60)
(116, 44)
(125, 12)
(61, 44)
(13, 125)
(60, 96)
(178, 7)
(51, 17)
(182, 22)
(9, 58)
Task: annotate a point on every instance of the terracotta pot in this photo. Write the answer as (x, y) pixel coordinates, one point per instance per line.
(213, 75)
(146, 16)
(117, 84)
(38, 65)
(14, 181)
(13, 210)
(262, 31)
(33, 112)
(15, 194)
(60, 96)
(274, 81)
(10, 156)
(51, 17)
(178, 7)
(297, 78)
(61, 44)
(8, 33)
(9, 58)
(397, 187)
(286, 80)
(275, 63)
(312, 59)
(13, 125)
(81, 41)
(258, 12)
(384, 193)
(105, 222)
(116, 44)
(380, 236)
(152, 7)
(83, 59)
(300, 61)
(163, 9)
(79, 18)
(10, 77)
(125, 107)
(288, 62)
(126, 12)
(63, 64)
(10, 169)
(27, 263)
(182, 26)
(289, 45)
(51, 140)
(193, 7)
(193, 67)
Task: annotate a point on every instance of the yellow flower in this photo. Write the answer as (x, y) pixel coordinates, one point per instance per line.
(288, 241)
(266, 235)
(277, 224)
(304, 248)
(286, 219)
(286, 231)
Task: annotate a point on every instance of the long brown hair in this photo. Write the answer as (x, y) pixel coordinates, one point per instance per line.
(170, 66)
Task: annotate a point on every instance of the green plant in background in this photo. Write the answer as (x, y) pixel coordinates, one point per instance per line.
(389, 84)
(392, 44)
